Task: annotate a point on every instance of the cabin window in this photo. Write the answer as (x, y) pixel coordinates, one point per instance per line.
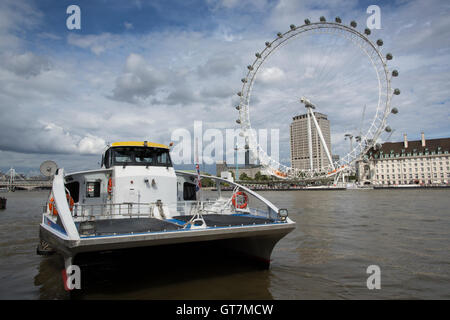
(189, 191)
(162, 158)
(107, 159)
(122, 156)
(144, 156)
(140, 156)
(92, 189)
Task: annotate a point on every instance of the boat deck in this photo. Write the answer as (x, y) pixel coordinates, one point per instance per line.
(144, 225)
(226, 220)
(132, 225)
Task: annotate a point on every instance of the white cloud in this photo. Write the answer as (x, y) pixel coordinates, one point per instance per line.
(26, 64)
(98, 44)
(128, 25)
(272, 74)
(91, 145)
(139, 80)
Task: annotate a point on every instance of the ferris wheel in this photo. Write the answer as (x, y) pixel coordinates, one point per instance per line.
(371, 50)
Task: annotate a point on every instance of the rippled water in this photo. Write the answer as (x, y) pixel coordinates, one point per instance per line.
(338, 235)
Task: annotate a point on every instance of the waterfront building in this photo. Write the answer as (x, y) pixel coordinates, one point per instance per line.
(300, 158)
(249, 169)
(424, 162)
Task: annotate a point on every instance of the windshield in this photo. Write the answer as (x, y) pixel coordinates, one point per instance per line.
(135, 156)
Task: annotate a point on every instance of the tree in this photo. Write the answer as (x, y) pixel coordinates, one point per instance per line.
(244, 176)
(261, 177)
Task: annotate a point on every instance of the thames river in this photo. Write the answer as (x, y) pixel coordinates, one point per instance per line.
(406, 233)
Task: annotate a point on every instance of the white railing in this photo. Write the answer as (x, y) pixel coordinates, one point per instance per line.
(150, 210)
(134, 210)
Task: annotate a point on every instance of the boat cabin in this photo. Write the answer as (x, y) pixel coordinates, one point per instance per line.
(132, 173)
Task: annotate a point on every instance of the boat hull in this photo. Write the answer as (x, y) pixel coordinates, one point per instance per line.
(256, 241)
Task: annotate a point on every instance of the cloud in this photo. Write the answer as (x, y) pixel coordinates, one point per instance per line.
(219, 66)
(272, 74)
(98, 44)
(91, 145)
(139, 80)
(128, 25)
(26, 64)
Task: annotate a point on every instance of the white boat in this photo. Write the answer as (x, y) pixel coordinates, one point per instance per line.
(137, 199)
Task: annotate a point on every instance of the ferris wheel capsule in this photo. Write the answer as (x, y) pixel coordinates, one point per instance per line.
(389, 56)
(292, 26)
(268, 44)
(338, 20)
(279, 35)
(394, 73)
(307, 21)
(367, 31)
(322, 19)
(397, 91)
(243, 80)
(394, 110)
(388, 129)
(379, 42)
(353, 24)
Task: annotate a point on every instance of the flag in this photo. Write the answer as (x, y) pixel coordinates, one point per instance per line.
(199, 182)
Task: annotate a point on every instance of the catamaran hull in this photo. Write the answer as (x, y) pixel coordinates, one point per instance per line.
(255, 241)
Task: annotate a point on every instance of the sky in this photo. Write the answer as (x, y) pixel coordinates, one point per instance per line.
(139, 70)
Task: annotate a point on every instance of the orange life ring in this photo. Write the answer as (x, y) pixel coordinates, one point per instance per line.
(242, 205)
(70, 202)
(109, 186)
(52, 207)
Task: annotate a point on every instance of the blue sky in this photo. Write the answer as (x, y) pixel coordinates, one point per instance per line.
(141, 69)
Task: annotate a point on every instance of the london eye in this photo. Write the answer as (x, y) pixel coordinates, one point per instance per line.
(309, 92)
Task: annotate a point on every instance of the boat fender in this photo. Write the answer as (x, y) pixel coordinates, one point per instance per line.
(241, 205)
(109, 186)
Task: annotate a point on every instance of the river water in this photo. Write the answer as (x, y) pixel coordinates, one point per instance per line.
(406, 233)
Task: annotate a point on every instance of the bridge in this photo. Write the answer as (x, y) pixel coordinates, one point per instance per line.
(12, 181)
(26, 184)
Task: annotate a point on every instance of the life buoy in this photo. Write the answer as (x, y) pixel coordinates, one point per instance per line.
(242, 205)
(52, 206)
(109, 186)
(70, 202)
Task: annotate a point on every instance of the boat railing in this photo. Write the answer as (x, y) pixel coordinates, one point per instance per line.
(110, 210)
(181, 208)
(134, 210)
